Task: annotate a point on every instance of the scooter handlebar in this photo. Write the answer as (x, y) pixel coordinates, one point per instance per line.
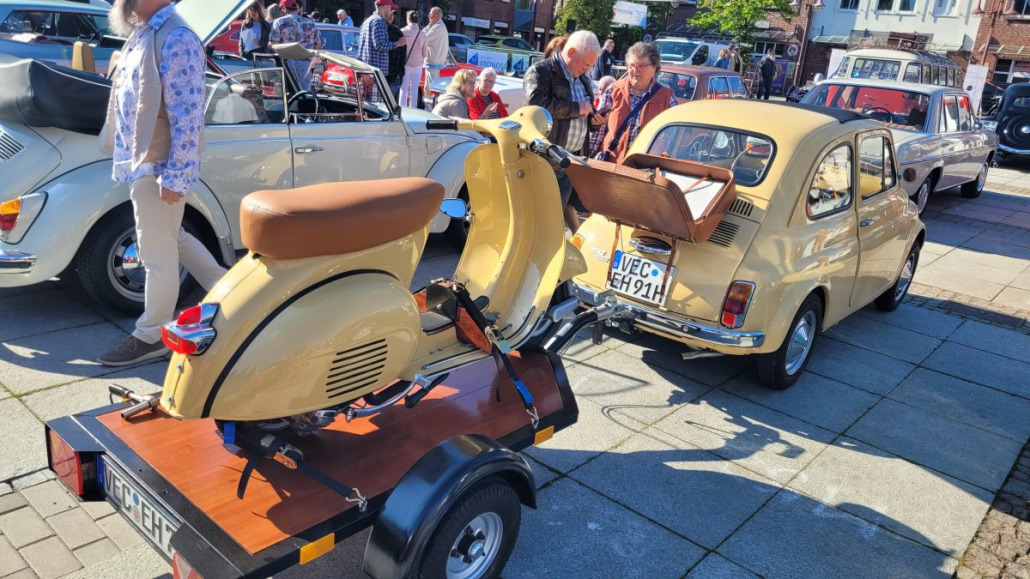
(445, 125)
(559, 156)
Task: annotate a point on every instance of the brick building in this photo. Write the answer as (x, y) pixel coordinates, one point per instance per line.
(1003, 39)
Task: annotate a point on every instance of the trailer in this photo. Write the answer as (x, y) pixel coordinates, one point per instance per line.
(441, 484)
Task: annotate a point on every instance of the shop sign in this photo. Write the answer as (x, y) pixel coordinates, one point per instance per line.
(630, 14)
(475, 22)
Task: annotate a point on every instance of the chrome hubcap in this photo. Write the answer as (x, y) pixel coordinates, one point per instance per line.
(125, 268)
(923, 195)
(800, 343)
(905, 279)
(476, 547)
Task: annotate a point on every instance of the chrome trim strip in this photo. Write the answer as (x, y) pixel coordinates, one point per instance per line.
(16, 262)
(1014, 151)
(682, 327)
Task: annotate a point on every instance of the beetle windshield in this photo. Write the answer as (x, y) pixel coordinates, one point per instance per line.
(895, 106)
(747, 155)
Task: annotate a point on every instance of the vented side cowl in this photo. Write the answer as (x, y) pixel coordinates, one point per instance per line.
(357, 368)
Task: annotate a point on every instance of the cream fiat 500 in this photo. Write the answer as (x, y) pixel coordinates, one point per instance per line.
(820, 228)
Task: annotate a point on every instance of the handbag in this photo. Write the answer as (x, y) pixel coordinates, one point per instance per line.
(608, 153)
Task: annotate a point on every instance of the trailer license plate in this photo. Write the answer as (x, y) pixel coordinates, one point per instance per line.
(639, 278)
(151, 520)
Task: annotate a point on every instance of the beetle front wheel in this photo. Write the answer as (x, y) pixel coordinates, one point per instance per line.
(782, 368)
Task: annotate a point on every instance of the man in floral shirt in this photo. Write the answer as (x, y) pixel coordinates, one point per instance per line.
(374, 44)
(295, 28)
(154, 133)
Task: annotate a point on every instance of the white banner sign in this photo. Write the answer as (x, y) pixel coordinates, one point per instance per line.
(976, 77)
(836, 55)
(630, 14)
(488, 58)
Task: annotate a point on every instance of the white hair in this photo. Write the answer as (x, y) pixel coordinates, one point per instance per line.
(488, 71)
(122, 17)
(583, 41)
(436, 10)
(341, 11)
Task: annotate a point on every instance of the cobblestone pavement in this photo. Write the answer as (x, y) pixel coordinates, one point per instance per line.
(902, 451)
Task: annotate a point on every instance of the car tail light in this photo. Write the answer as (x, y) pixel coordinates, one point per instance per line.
(181, 569)
(77, 470)
(191, 333)
(737, 301)
(9, 212)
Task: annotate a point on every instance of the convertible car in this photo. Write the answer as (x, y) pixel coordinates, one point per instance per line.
(939, 143)
(59, 208)
(774, 222)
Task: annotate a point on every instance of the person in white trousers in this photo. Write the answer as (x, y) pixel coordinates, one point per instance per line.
(418, 50)
(438, 45)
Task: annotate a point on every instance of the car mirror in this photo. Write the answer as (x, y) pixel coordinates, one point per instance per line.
(454, 208)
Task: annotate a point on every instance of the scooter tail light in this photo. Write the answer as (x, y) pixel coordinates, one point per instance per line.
(738, 299)
(192, 332)
(77, 470)
(181, 569)
(9, 212)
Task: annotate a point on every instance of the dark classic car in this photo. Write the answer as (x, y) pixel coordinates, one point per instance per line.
(1012, 121)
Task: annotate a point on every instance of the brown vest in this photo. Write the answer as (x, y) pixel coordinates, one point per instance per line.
(621, 108)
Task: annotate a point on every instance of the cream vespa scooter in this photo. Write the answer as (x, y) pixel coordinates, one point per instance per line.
(318, 321)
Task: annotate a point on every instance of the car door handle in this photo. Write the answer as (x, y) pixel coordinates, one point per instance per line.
(308, 149)
(865, 223)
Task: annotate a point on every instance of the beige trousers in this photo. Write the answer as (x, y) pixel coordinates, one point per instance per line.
(162, 244)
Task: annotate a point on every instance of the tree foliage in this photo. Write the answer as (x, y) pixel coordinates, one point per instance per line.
(593, 15)
(737, 18)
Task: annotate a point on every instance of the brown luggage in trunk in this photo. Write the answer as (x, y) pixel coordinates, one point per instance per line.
(680, 199)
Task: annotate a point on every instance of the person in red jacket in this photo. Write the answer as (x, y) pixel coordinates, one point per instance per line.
(485, 103)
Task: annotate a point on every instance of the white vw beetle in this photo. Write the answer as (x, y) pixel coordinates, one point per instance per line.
(59, 209)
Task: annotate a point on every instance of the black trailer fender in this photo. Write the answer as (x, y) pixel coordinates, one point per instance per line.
(426, 493)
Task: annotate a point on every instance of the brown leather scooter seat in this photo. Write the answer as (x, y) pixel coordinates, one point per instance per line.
(336, 218)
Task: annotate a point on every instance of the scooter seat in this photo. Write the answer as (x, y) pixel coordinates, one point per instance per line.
(336, 218)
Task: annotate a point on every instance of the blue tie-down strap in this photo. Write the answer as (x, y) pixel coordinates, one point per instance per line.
(527, 398)
(229, 433)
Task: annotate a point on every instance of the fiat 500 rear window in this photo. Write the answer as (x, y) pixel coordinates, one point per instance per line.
(747, 155)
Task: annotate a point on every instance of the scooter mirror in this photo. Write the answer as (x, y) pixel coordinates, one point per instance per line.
(454, 208)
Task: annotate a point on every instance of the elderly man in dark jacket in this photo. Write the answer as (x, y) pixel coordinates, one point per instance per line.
(561, 85)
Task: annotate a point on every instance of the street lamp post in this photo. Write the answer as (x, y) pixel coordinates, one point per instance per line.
(809, 6)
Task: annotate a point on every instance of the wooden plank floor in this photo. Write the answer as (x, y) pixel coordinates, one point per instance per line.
(369, 453)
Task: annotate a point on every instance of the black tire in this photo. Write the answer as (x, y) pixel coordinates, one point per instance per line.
(889, 300)
(99, 264)
(972, 189)
(923, 194)
(458, 231)
(492, 499)
(781, 369)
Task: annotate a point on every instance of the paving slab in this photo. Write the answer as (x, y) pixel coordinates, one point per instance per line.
(120, 531)
(932, 248)
(1011, 297)
(76, 528)
(582, 347)
(576, 532)
(985, 245)
(757, 438)
(715, 566)
(10, 560)
(138, 561)
(951, 234)
(46, 360)
(893, 493)
(969, 403)
(1018, 219)
(40, 312)
(594, 433)
(664, 353)
(542, 474)
(815, 399)
(628, 385)
(982, 367)
(934, 323)
(1001, 341)
(1003, 265)
(89, 394)
(953, 448)
(980, 211)
(1022, 281)
(23, 450)
(50, 559)
(797, 537)
(884, 338)
(50, 498)
(24, 527)
(954, 279)
(97, 552)
(688, 490)
(856, 366)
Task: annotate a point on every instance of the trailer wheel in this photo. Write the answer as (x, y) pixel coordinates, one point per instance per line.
(477, 535)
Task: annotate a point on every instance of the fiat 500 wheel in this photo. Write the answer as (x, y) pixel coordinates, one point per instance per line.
(892, 298)
(476, 537)
(782, 368)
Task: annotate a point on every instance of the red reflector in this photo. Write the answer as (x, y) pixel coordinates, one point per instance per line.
(66, 463)
(737, 300)
(177, 344)
(183, 570)
(189, 316)
(8, 221)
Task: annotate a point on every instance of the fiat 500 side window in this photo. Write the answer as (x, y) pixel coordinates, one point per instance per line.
(830, 190)
(875, 167)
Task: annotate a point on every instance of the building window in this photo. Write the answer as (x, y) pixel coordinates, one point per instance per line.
(898, 5)
(849, 4)
(762, 47)
(1011, 71)
(1022, 8)
(884, 5)
(944, 7)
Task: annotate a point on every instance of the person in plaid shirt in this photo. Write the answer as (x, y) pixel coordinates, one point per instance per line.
(374, 44)
(295, 28)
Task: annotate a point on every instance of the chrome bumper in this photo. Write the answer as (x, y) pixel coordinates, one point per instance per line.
(16, 262)
(677, 326)
(1012, 151)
